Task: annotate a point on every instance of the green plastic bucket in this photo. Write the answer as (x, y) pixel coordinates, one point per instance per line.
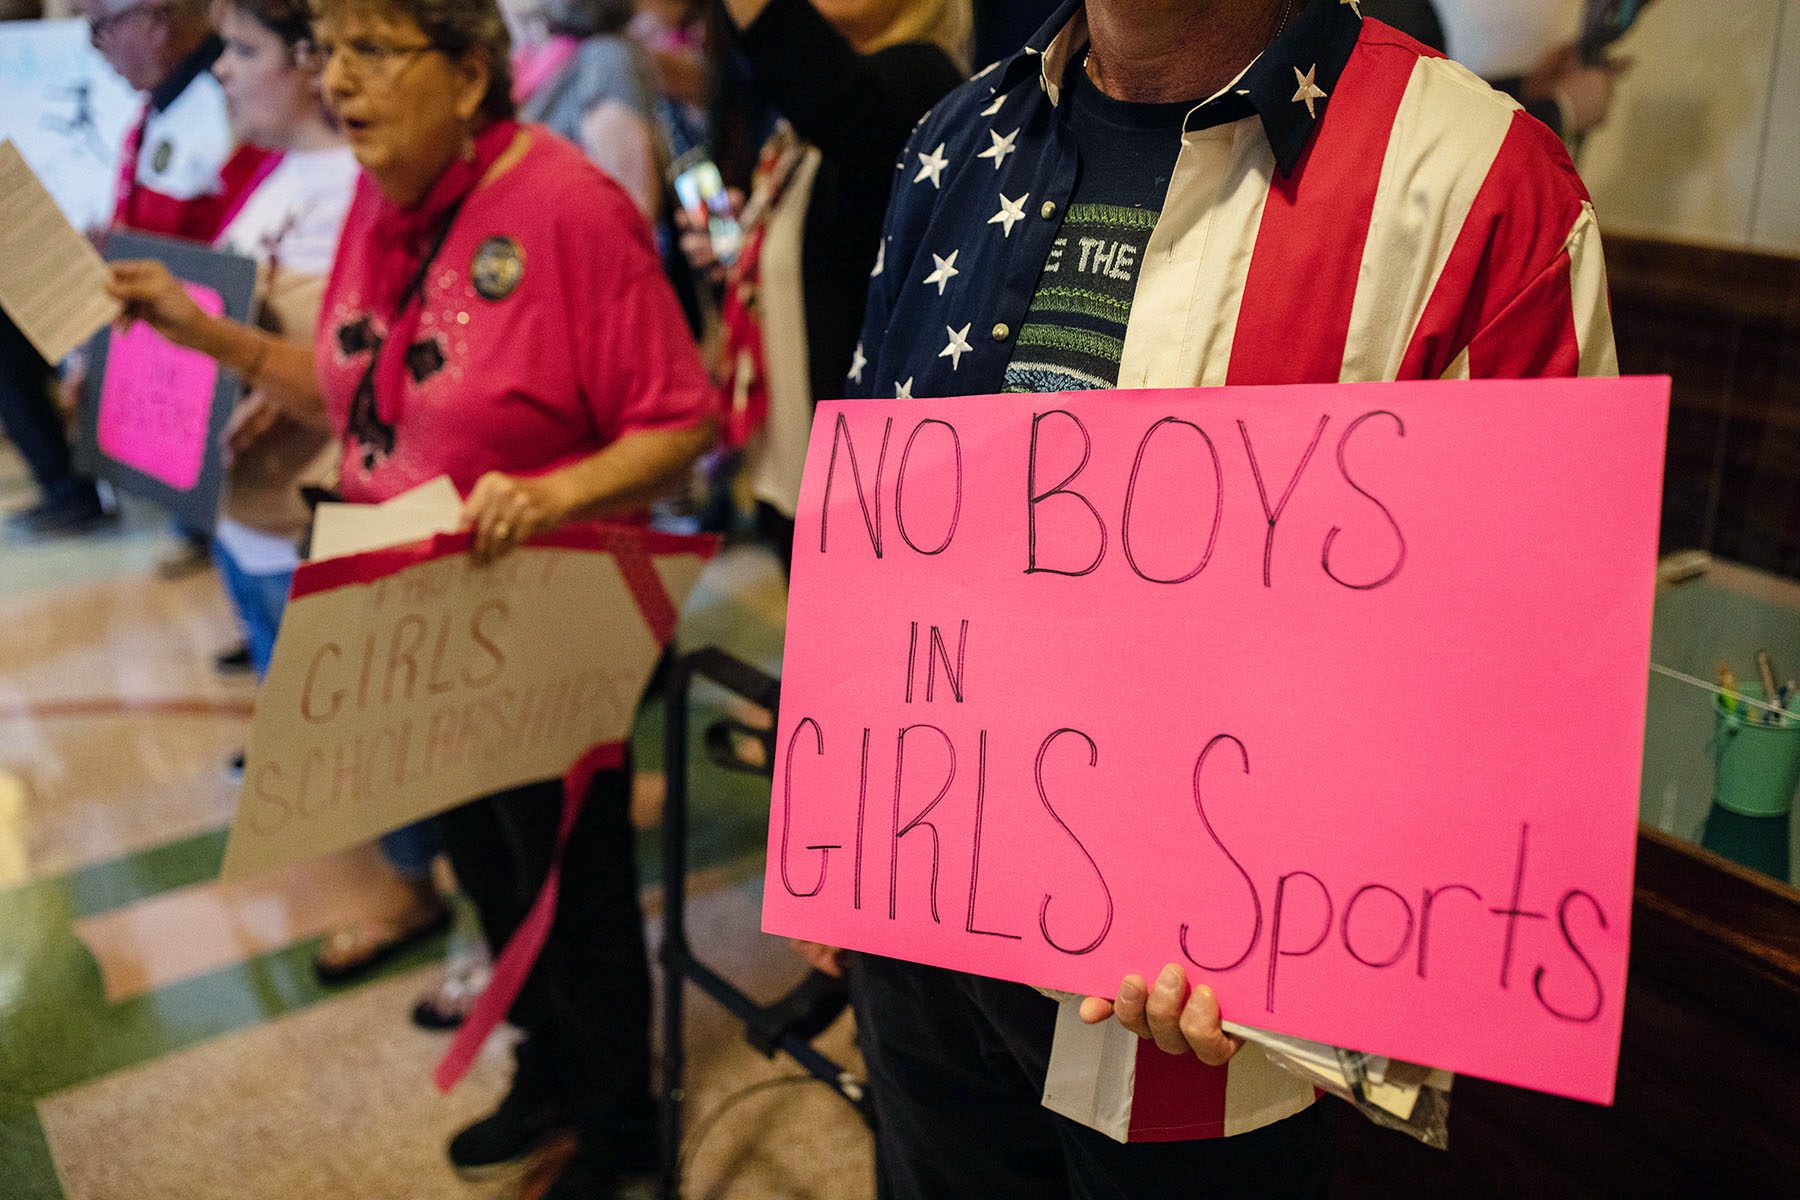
(1756, 766)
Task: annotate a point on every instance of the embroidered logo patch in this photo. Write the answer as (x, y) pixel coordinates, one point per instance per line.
(162, 156)
(498, 267)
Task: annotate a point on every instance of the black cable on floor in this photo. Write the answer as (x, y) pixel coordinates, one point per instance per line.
(706, 1124)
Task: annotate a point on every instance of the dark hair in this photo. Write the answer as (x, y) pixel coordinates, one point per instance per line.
(587, 18)
(457, 27)
(289, 20)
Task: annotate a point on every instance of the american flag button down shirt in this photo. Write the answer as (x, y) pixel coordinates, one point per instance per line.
(1380, 214)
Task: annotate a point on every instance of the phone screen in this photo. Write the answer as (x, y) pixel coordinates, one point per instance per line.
(701, 191)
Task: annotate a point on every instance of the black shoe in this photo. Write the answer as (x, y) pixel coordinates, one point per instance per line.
(234, 661)
(502, 1142)
(61, 518)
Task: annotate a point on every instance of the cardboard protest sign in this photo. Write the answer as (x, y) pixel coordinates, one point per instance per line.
(155, 413)
(409, 680)
(1333, 694)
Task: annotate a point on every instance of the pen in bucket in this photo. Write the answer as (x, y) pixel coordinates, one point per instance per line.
(1765, 665)
(1728, 682)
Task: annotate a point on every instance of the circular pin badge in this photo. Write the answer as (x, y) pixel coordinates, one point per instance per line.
(162, 156)
(498, 267)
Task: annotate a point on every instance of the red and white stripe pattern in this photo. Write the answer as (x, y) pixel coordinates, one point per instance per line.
(1431, 230)
(170, 172)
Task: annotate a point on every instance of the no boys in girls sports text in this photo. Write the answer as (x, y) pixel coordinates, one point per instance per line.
(1332, 694)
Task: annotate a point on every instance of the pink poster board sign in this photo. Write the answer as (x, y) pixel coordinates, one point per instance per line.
(1333, 694)
(156, 401)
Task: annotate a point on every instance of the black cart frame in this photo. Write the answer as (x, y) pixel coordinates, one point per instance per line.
(767, 1027)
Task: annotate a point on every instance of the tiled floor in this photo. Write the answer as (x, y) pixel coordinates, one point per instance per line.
(163, 1036)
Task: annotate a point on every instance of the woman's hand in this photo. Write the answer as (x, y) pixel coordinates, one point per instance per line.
(1178, 1022)
(149, 293)
(505, 510)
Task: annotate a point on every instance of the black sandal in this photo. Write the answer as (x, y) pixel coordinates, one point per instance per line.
(378, 941)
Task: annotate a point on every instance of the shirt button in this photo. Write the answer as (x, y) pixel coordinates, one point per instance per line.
(1049, 209)
(1001, 332)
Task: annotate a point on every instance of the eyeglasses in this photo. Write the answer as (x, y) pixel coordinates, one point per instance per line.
(362, 57)
(99, 27)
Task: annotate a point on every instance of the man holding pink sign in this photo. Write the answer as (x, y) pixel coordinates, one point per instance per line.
(1215, 192)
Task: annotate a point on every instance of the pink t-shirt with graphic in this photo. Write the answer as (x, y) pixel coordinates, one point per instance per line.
(548, 332)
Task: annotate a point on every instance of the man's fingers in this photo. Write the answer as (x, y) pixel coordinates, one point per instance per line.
(1201, 1030)
(828, 959)
(1095, 1009)
(1129, 1006)
(1162, 1010)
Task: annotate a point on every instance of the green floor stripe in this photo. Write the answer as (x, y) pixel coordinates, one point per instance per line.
(57, 1030)
(105, 886)
(27, 1171)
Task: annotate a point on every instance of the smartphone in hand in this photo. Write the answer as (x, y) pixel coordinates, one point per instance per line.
(701, 191)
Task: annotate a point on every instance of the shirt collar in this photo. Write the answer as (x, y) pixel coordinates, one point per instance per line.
(200, 59)
(1303, 62)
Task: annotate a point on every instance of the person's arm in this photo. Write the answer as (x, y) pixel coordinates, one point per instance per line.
(505, 510)
(282, 369)
(620, 142)
(1556, 323)
(639, 376)
(845, 103)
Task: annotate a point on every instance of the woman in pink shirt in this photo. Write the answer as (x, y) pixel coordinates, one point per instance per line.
(496, 313)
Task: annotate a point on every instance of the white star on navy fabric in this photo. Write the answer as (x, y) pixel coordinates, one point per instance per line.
(1309, 90)
(1355, 7)
(880, 258)
(931, 166)
(994, 108)
(1011, 211)
(1002, 147)
(857, 363)
(959, 345)
(903, 391)
(946, 267)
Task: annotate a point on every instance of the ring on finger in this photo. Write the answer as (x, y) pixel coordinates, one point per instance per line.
(503, 530)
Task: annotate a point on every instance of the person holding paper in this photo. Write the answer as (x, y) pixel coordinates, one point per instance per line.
(289, 224)
(1176, 193)
(181, 174)
(497, 313)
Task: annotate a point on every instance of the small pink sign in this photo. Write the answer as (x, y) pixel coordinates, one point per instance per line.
(156, 401)
(1333, 694)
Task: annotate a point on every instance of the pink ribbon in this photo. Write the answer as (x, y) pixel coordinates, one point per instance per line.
(638, 568)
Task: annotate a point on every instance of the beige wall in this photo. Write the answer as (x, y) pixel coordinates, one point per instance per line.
(1704, 143)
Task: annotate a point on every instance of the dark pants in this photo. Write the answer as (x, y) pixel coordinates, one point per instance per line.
(956, 1065)
(29, 415)
(585, 1009)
